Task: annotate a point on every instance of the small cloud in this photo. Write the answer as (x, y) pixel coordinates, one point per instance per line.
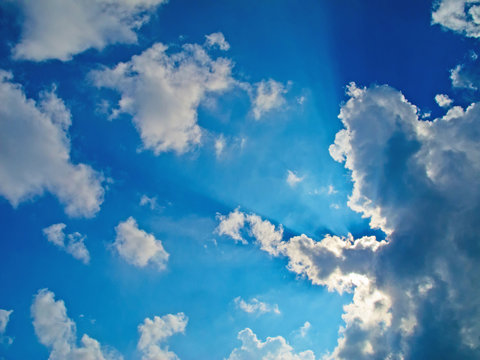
(443, 100)
(231, 225)
(334, 206)
(331, 190)
(255, 306)
(217, 39)
(4, 318)
(268, 96)
(138, 247)
(304, 329)
(219, 145)
(75, 244)
(149, 201)
(293, 179)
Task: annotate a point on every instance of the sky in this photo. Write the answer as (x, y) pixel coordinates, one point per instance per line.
(239, 180)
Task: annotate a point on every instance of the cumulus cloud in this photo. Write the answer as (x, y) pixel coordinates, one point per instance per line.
(293, 179)
(268, 95)
(217, 39)
(467, 75)
(75, 245)
(58, 332)
(37, 133)
(443, 100)
(154, 333)
(417, 180)
(231, 225)
(255, 306)
(461, 16)
(271, 348)
(59, 29)
(4, 318)
(138, 247)
(162, 90)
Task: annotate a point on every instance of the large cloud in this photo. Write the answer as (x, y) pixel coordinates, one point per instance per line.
(138, 247)
(59, 29)
(416, 293)
(57, 331)
(153, 333)
(273, 348)
(35, 152)
(162, 91)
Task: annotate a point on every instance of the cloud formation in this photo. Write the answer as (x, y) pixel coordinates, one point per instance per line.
(255, 306)
(75, 245)
(461, 16)
(162, 90)
(267, 95)
(37, 133)
(272, 348)
(138, 247)
(417, 181)
(58, 332)
(60, 29)
(153, 333)
(293, 179)
(443, 100)
(4, 318)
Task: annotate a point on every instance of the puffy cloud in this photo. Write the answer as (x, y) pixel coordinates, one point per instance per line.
(417, 180)
(293, 179)
(467, 75)
(231, 225)
(268, 95)
(217, 39)
(138, 247)
(57, 331)
(75, 245)
(37, 133)
(162, 91)
(272, 348)
(59, 29)
(4, 318)
(462, 16)
(255, 306)
(443, 100)
(155, 332)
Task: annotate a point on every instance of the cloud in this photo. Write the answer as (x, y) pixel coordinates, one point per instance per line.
(138, 247)
(217, 39)
(231, 225)
(255, 306)
(268, 95)
(163, 90)
(443, 100)
(271, 348)
(293, 179)
(305, 329)
(75, 245)
(150, 201)
(220, 145)
(155, 332)
(60, 29)
(461, 16)
(4, 318)
(467, 75)
(58, 332)
(37, 133)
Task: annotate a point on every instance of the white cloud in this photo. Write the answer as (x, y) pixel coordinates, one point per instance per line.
(59, 29)
(273, 348)
(443, 100)
(153, 333)
(255, 306)
(268, 95)
(58, 332)
(138, 247)
(163, 92)
(36, 132)
(217, 39)
(293, 179)
(4, 318)
(305, 329)
(231, 225)
(150, 201)
(219, 145)
(461, 16)
(75, 245)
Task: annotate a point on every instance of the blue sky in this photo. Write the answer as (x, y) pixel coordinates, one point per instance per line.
(239, 179)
